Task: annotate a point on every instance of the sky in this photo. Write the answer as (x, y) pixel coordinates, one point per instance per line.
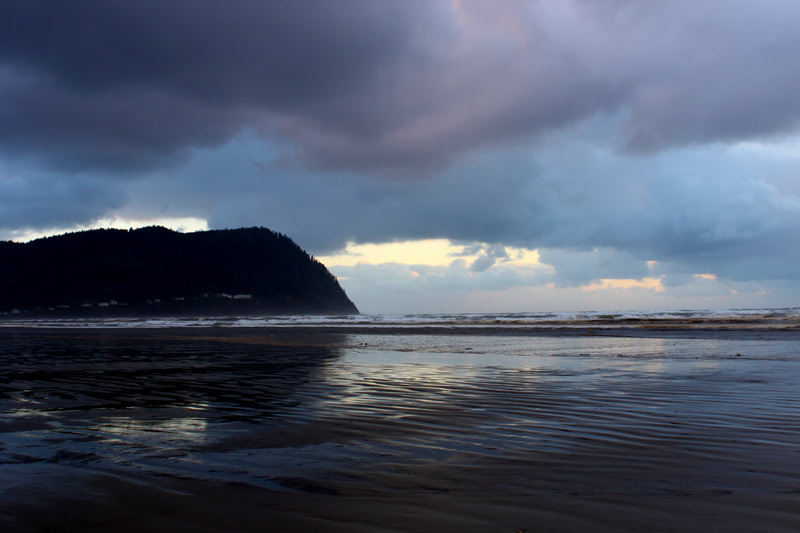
(437, 156)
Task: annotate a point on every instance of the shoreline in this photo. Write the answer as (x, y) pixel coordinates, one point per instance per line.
(675, 330)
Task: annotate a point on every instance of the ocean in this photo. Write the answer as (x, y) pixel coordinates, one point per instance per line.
(789, 317)
(666, 421)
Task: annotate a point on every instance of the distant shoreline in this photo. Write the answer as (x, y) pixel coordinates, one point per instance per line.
(727, 331)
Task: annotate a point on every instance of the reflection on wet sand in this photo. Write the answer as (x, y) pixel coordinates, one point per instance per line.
(141, 398)
(165, 429)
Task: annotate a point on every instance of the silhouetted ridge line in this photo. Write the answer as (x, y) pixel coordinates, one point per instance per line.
(155, 271)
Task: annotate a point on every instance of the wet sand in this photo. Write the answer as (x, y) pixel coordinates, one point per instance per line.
(414, 430)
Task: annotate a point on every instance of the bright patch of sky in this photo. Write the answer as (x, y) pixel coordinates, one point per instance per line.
(182, 224)
(430, 252)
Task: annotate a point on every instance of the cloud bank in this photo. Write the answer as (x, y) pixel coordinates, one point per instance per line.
(394, 86)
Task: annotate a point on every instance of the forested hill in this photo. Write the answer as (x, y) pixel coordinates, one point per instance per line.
(158, 272)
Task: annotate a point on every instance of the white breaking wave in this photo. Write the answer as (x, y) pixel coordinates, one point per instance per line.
(560, 318)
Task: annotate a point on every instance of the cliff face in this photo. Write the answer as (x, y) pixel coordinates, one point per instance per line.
(155, 271)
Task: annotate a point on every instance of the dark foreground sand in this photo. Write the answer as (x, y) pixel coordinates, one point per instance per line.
(257, 430)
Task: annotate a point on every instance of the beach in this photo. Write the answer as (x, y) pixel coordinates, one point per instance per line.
(626, 426)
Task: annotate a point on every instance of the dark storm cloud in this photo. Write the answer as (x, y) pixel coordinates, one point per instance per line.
(732, 79)
(488, 257)
(384, 86)
(73, 131)
(246, 51)
(49, 201)
(126, 84)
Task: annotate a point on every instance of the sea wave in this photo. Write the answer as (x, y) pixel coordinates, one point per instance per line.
(780, 317)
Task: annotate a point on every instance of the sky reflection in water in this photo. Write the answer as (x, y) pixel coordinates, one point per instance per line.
(263, 409)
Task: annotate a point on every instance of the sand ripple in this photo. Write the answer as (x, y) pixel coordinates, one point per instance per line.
(467, 418)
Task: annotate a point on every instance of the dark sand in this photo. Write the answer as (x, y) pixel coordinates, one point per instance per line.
(413, 430)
